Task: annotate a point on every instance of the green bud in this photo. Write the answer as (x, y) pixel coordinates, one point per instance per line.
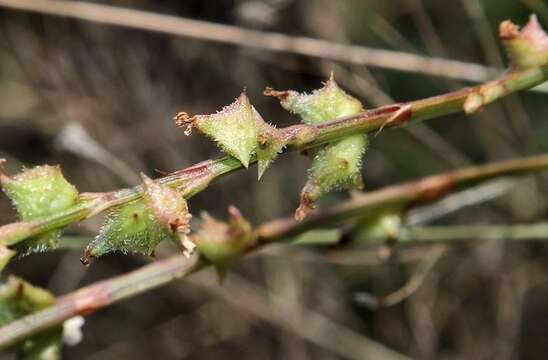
(337, 165)
(324, 104)
(220, 243)
(386, 225)
(527, 47)
(39, 191)
(139, 226)
(17, 299)
(130, 228)
(233, 128)
(35, 193)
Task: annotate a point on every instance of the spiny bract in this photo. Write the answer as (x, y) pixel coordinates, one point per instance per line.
(323, 104)
(139, 226)
(233, 128)
(338, 164)
(129, 228)
(270, 142)
(35, 193)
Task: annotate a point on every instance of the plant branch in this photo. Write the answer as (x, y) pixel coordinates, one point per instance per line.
(441, 234)
(404, 196)
(196, 178)
(415, 281)
(270, 41)
(306, 323)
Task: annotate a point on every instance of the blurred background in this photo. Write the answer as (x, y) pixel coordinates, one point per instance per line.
(99, 100)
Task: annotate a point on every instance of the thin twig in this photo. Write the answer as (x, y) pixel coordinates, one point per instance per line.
(420, 272)
(404, 196)
(408, 250)
(440, 234)
(449, 204)
(487, 39)
(309, 324)
(196, 178)
(75, 139)
(270, 41)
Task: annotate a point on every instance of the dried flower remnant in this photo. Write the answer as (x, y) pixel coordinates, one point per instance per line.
(233, 128)
(17, 299)
(139, 226)
(220, 243)
(35, 193)
(337, 165)
(527, 47)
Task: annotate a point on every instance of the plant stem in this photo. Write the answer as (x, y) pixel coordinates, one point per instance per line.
(103, 293)
(248, 298)
(196, 178)
(440, 234)
(269, 41)
(403, 196)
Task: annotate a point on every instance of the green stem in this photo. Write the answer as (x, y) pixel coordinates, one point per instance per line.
(403, 196)
(196, 178)
(103, 293)
(425, 109)
(440, 234)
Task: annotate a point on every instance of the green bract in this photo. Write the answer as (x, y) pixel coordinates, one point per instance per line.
(525, 48)
(221, 242)
(338, 164)
(322, 105)
(387, 224)
(17, 299)
(240, 131)
(270, 142)
(128, 228)
(39, 191)
(139, 226)
(35, 193)
(233, 128)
